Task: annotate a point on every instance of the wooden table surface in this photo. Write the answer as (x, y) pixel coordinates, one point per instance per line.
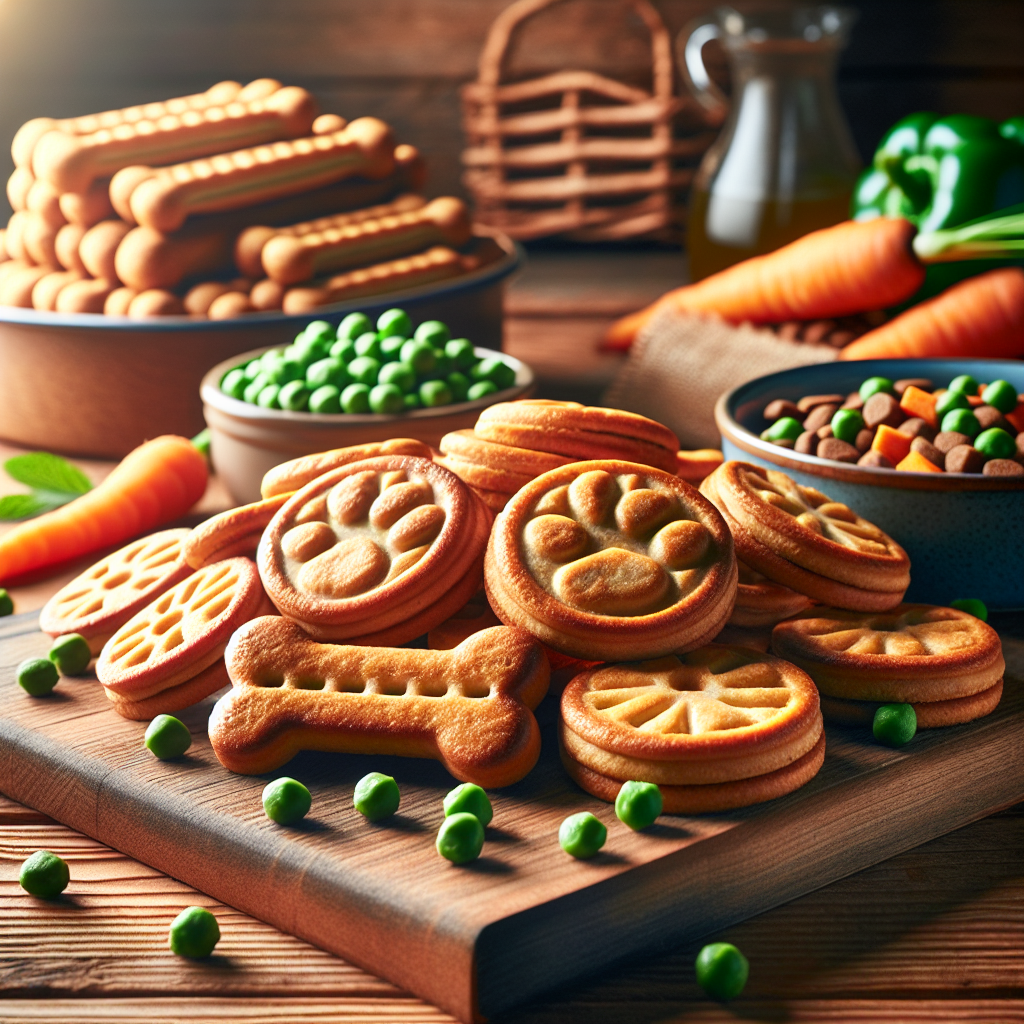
(935, 934)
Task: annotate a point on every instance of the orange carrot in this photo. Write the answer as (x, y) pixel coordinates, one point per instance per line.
(891, 443)
(1016, 417)
(982, 316)
(915, 462)
(157, 482)
(848, 268)
(919, 403)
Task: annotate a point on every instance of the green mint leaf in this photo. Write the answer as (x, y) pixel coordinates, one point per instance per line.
(47, 472)
(22, 506)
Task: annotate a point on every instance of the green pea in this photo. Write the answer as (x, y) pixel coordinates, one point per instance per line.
(638, 804)
(252, 368)
(412, 401)
(376, 796)
(44, 874)
(6, 604)
(194, 933)
(442, 367)
(364, 370)
(325, 400)
(71, 654)
(481, 389)
(318, 329)
(460, 351)
(435, 392)
(167, 737)
(582, 835)
(460, 838)
(784, 429)
(37, 676)
(722, 970)
(233, 382)
(352, 326)
(419, 355)
(344, 349)
(327, 371)
(995, 443)
(255, 386)
(386, 399)
(963, 421)
(894, 724)
(368, 345)
(395, 321)
(469, 799)
(286, 801)
(391, 347)
(971, 605)
(1001, 395)
(294, 396)
(950, 400)
(434, 333)
(496, 370)
(399, 374)
(356, 398)
(874, 385)
(267, 398)
(965, 384)
(458, 385)
(309, 349)
(847, 424)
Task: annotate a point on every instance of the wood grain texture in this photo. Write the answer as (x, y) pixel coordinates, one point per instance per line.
(525, 917)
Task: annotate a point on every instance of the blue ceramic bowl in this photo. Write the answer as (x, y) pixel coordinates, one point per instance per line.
(964, 532)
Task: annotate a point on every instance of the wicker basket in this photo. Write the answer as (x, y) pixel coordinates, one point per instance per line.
(575, 153)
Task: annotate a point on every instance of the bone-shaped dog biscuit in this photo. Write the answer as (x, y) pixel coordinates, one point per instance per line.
(470, 708)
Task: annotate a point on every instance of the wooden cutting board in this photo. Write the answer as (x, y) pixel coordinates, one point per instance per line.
(525, 917)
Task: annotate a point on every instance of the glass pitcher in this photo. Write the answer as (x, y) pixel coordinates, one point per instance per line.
(785, 162)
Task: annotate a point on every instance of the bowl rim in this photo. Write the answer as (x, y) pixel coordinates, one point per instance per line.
(745, 440)
(513, 259)
(212, 395)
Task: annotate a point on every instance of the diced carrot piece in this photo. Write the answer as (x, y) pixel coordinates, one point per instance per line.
(891, 443)
(1016, 416)
(974, 400)
(915, 462)
(916, 402)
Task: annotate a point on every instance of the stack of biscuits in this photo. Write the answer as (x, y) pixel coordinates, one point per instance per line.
(202, 205)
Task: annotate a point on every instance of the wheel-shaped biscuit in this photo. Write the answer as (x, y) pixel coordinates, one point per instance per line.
(612, 561)
(105, 596)
(915, 653)
(713, 715)
(375, 549)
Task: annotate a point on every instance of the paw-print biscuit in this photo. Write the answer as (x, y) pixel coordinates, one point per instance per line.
(612, 561)
(377, 552)
(799, 537)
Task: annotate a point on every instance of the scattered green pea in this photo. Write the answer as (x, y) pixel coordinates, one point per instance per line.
(294, 396)
(37, 676)
(386, 399)
(458, 385)
(412, 401)
(356, 398)
(402, 376)
(950, 400)
(376, 796)
(965, 384)
(582, 835)
(71, 654)
(6, 604)
(267, 398)
(496, 370)
(368, 345)
(233, 383)
(847, 424)
(255, 386)
(972, 605)
(435, 392)
(391, 347)
(395, 321)
(1001, 395)
(461, 352)
(286, 801)
(460, 838)
(434, 333)
(874, 385)
(469, 799)
(325, 400)
(327, 371)
(894, 724)
(344, 349)
(167, 737)
(481, 389)
(995, 443)
(352, 326)
(44, 874)
(419, 355)
(784, 428)
(722, 970)
(638, 804)
(194, 933)
(963, 421)
(364, 370)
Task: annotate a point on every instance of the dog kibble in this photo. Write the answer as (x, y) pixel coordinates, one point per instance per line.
(876, 460)
(809, 402)
(822, 432)
(781, 407)
(853, 401)
(988, 416)
(862, 442)
(923, 383)
(964, 458)
(881, 407)
(947, 440)
(806, 443)
(1003, 467)
(929, 451)
(820, 415)
(836, 450)
(917, 427)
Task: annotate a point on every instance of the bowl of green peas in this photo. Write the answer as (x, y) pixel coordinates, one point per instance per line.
(333, 386)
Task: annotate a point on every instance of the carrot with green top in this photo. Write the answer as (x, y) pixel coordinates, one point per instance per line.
(154, 484)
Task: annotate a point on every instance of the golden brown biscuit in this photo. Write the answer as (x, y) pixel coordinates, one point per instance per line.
(229, 534)
(229, 305)
(89, 207)
(914, 653)
(155, 302)
(935, 714)
(476, 614)
(48, 288)
(695, 465)
(612, 561)
(87, 296)
(484, 477)
(100, 600)
(761, 602)
(469, 708)
(146, 258)
(469, 447)
(119, 301)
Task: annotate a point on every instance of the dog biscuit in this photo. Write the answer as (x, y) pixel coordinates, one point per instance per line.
(228, 534)
(155, 302)
(18, 185)
(18, 283)
(48, 288)
(87, 296)
(89, 207)
(266, 294)
(98, 248)
(43, 199)
(695, 465)
(932, 714)
(470, 708)
(762, 602)
(39, 239)
(146, 258)
(118, 302)
(66, 246)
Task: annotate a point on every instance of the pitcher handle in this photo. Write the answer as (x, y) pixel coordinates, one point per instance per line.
(695, 75)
